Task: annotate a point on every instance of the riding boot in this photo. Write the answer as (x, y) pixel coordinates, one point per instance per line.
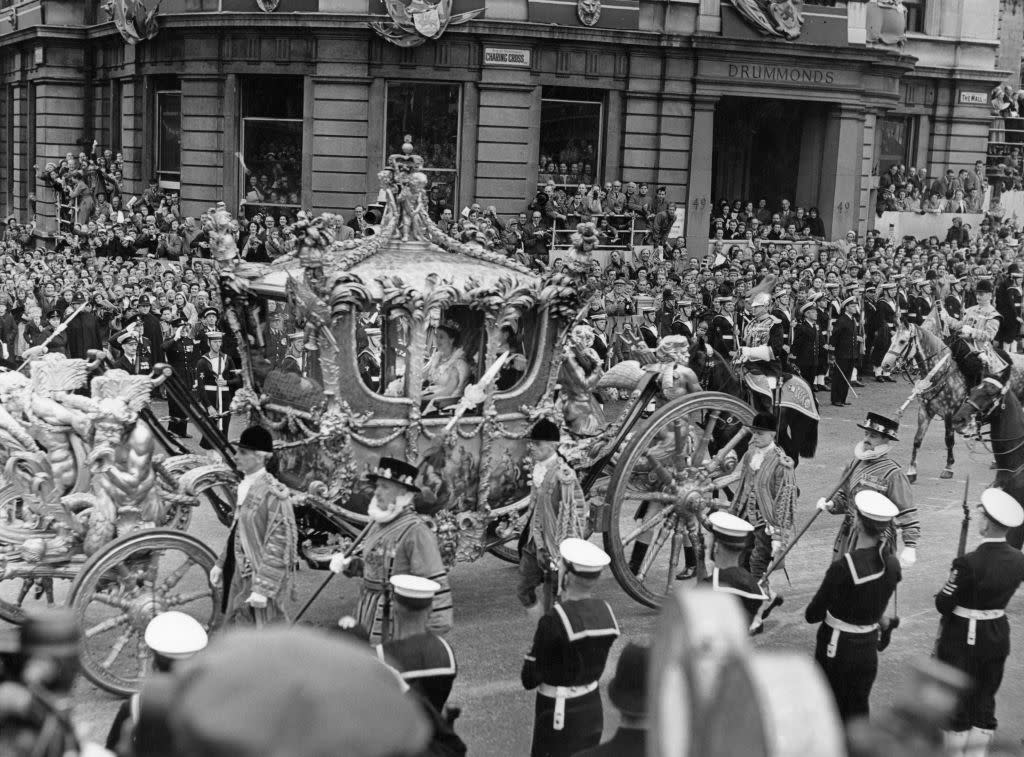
(636, 557)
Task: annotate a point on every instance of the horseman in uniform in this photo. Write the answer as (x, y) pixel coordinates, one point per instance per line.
(974, 348)
(873, 470)
(763, 346)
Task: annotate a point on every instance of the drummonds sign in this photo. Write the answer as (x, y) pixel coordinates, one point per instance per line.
(786, 74)
(505, 56)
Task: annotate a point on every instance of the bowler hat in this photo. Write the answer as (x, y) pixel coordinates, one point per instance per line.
(763, 421)
(396, 471)
(545, 431)
(256, 438)
(628, 689)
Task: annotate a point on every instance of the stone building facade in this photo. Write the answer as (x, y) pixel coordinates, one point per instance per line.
(681, 93)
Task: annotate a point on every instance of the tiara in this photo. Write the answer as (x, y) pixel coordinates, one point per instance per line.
(451, 325)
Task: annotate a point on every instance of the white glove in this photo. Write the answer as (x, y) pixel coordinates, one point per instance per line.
(256, 600)
(922, 386)
(744, 355)
(823, 504)
(215, 575)
(339, 562)
(763, 352)
(776, 547)
(908, 557)
(346, 622)
(967, 331)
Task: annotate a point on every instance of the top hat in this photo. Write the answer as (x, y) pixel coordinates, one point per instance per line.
(881, 425)
(763, 421)
(628, 689)
(545, 431)
(256, 438)
(396, 471)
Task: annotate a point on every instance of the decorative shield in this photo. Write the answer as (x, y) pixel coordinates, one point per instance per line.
(787, 17)
(429, 22)
(268, 6)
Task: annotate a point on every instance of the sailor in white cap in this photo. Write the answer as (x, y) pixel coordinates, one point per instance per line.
(171, 636)
(728, 576)
(424, 660)
(975, 633)
(216, 382)
(808, 343)
(648, 327)
(850, 603)
(569, 652)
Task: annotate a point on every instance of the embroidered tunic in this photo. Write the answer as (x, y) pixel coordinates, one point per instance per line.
(881, 475)
(405, 546)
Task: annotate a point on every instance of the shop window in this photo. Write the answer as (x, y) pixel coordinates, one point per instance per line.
(168, 138)
(272, 146)
(570, 136)
(429, 114)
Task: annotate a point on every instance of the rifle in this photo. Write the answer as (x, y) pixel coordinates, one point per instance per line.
(961, 548)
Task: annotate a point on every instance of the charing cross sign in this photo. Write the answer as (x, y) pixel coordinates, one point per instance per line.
(786, 74)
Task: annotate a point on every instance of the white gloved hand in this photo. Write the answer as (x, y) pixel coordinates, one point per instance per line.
(339, 562)
(823, 504)
(922, 386)
(908, 557)
(256, 600)
(346, 622)
(776, 547)
(744, 355)
(215, 575)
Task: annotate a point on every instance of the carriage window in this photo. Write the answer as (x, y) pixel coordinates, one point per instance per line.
(522, 344)
(395, 332)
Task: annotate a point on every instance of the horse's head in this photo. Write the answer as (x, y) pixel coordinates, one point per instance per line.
(901, 349)
(980, 402)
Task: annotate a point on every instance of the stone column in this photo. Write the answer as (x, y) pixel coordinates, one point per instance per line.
(710, 18)
(508, 139)
(698, 195)
(841, 169)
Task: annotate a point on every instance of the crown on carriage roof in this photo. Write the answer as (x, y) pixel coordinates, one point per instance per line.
(404, 164)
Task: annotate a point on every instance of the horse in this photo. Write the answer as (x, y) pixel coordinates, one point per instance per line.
(798, 429)
(916, 345)
(992, 402)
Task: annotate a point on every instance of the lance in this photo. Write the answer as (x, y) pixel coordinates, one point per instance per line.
(775, 563)
(61, 328)
(330, 575)
(923, 384)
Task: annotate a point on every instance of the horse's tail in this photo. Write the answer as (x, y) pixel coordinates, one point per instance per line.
(801, 430)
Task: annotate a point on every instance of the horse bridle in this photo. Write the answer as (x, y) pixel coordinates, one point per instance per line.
(903, 356)
(982, 415)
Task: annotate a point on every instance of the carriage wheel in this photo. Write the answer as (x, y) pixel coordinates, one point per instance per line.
(651, 502)
(121, 588)
(506, 551)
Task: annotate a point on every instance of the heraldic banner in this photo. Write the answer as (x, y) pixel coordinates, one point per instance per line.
(601, 14)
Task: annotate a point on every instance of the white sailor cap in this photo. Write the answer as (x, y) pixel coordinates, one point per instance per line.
(848, 301)
(728, 525)
(297, 334)
(808, 305)
(875, 506)
(175, 635)
(583, 557)
(414, 591)
(646, 310)
(1002, 508)
(214, 335)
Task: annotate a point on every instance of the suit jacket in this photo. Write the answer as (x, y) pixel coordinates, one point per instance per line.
(844, 338)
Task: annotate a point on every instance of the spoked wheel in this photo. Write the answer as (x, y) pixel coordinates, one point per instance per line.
(121, 588)
(667, 469)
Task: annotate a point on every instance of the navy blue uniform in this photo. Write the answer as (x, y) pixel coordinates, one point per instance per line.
(426, 662)
(569, 652)
(849, 604)
(741, 584)
(980, 584)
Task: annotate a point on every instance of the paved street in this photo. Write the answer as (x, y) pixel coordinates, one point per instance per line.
(491, 635)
